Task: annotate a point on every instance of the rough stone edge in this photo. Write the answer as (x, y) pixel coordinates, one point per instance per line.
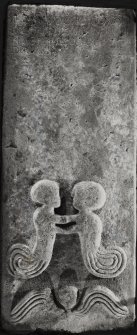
(123, 331)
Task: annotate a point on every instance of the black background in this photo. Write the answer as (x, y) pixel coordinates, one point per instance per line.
(3, 10)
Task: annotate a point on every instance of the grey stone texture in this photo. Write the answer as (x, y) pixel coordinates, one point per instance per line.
(68, 159)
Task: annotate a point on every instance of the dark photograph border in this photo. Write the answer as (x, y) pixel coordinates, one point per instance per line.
(128, 4)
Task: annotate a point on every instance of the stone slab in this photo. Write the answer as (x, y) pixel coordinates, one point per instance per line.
(68, 169)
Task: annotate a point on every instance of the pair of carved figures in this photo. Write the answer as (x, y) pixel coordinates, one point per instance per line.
(26, 264)
(88, 196)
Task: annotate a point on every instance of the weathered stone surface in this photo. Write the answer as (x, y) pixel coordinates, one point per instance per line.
(68, 169)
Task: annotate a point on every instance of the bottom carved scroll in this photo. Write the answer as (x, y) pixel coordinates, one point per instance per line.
(34, 300)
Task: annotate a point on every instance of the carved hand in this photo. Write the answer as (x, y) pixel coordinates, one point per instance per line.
(87, 198)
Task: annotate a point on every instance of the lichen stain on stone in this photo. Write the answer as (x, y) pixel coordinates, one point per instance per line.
(91, 105)
(34, 28)
(59, 79)
(89, 119)
(51, 124)
(46, 27)
(91, 166)
(66, 65)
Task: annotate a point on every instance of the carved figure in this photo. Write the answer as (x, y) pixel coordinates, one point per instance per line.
(27, 263)
(88, 197)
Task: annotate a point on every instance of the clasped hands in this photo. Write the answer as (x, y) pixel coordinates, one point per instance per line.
(88, 196)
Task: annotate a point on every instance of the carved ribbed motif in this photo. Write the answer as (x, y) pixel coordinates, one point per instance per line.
(88, 197)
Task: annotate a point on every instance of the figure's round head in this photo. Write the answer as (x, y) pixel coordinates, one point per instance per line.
(46, 192)
(68, 296)
(88, 194)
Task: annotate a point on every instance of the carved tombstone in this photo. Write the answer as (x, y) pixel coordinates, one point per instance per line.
(68, 169)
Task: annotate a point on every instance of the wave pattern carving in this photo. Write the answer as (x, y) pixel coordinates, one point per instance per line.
(34, 301)
(105, 297)
(27, 306)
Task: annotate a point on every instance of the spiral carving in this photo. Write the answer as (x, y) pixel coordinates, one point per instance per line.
(110, 263)
(98, 263)
(105, 297)
(22, 262)
(87, 198)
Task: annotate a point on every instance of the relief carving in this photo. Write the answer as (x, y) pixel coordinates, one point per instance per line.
(68, 196)
(24, 262)
(104, 296)
(87, 198)
(30, 304)
(35, 300)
